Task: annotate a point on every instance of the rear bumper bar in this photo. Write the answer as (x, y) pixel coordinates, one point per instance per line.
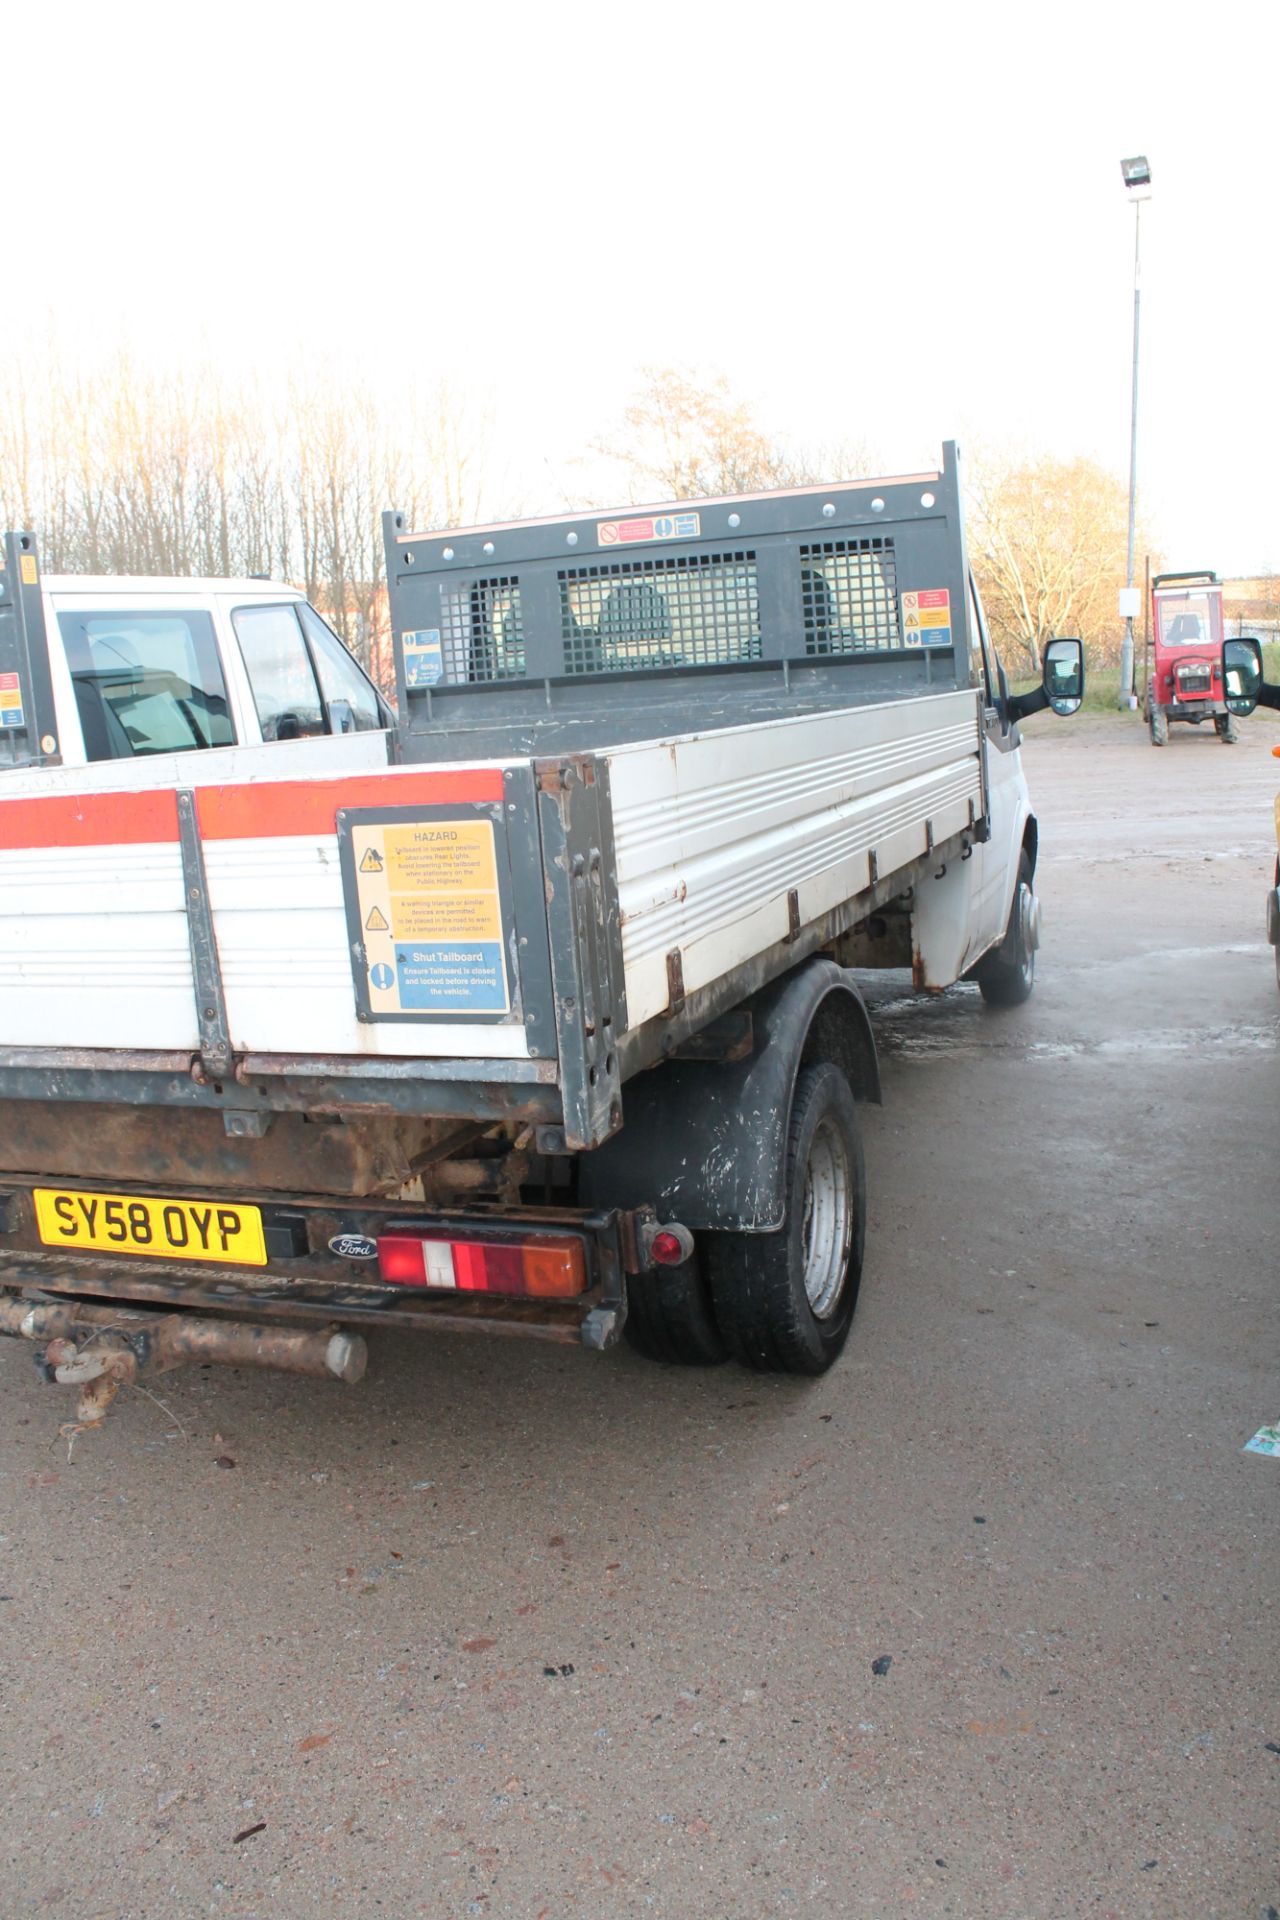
(100, 1349)
(315, 1287)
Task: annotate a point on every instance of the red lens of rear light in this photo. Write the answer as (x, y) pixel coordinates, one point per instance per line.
(400, 1261)
(550, 1267)
(666, 1249)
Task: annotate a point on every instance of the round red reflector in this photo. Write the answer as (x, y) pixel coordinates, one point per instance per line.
(667, 1249)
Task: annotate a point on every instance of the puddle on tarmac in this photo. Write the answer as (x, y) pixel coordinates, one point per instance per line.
(1154, 955)
(1169, 853)
(921, 1026)
(1188, 1040)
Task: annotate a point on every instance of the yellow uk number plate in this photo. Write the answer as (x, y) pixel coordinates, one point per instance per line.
(169, 1229)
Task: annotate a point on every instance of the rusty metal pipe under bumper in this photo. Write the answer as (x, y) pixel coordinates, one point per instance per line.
(155, 1342)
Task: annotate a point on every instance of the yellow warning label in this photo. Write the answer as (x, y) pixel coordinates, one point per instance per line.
(431, 912)
(27, 567)
(444, 856)
(461, 916)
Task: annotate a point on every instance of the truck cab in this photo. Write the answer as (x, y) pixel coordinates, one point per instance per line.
(121, 669)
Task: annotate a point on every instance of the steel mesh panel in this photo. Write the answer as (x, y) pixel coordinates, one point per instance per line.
(481, 630)
(850, 596)
(692, 610)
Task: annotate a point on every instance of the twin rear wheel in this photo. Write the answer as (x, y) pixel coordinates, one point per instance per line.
(781, 1302)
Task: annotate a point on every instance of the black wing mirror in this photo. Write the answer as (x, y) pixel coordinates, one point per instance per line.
(1241, 673)
(1061, 683)
(1064, 675)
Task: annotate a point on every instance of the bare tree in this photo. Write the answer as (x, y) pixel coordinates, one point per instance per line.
(1047, 543)
(684, 436)
(122, 468)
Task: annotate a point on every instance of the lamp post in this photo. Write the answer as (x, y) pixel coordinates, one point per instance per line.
(1137, 179)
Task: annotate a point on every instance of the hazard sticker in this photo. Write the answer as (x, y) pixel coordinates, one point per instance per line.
(428, 892)
(926, 618)
(11, 714)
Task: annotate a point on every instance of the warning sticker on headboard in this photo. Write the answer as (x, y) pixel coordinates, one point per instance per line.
(926, 618)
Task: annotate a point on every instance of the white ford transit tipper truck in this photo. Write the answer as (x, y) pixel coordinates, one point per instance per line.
(548, 1024)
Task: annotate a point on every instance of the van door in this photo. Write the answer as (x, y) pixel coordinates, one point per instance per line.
(303, 680)
(1006, 791)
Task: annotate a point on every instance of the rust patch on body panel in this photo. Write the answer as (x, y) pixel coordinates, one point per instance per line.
(364, 1156)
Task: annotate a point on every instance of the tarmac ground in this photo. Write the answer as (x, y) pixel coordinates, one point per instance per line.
(982, 1623)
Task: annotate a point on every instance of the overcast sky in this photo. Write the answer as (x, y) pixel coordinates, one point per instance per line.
(894, 224)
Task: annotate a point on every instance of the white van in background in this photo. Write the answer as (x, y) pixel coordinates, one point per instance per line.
(141, 666)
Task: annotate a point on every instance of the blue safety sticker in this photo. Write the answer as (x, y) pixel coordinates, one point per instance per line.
(423, 657)
(440, 978)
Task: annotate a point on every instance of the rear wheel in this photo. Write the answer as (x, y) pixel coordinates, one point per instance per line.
(1007, 975)
(1224, 725)
(784, 1301)
(1158, 726)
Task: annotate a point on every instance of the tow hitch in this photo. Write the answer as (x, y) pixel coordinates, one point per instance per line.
(101, 1349)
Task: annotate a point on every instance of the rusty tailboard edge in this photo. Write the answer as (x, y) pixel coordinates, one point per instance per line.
(473, 1089)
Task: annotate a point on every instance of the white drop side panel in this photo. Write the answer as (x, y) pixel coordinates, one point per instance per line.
(713, 831)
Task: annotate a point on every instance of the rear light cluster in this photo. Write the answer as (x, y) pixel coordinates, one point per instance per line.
(550, 1267)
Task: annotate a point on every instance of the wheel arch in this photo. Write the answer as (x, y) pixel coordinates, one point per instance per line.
(1031, 841)
(706, 1143)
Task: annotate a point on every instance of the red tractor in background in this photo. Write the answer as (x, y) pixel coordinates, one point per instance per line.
(1184, 656)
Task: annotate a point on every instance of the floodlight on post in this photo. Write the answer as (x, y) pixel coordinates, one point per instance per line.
(1136, 172)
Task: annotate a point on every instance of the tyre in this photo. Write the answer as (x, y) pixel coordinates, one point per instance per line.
(1007, 975)
(670, 1317)
(1158, 726)
(1224, 725)
(784, 1301)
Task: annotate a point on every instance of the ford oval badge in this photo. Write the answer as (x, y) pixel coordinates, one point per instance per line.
(353, 1246)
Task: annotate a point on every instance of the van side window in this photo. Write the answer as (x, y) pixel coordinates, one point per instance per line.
(278, 663)
(350, 697)
(146, 683)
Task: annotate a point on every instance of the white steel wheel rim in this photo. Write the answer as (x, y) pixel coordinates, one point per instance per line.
(827, 1219)
(1026, 910)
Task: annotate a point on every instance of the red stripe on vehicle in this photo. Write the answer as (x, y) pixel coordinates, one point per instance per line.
(310, 806)
(89, 820)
